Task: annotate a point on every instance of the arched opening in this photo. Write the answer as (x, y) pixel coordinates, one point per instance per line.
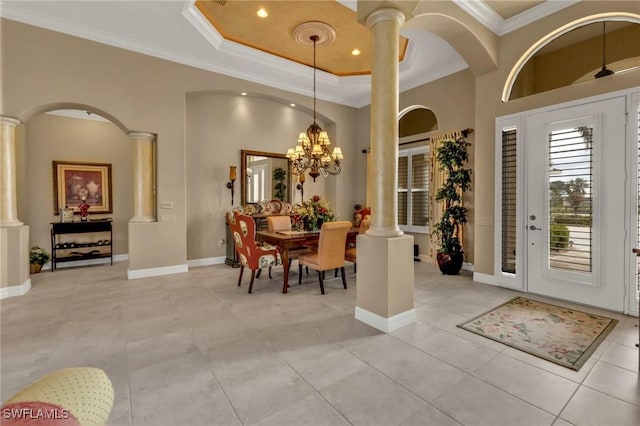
(73, 133)
(570, 53)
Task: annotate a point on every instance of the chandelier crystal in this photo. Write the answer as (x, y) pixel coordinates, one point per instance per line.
(313, 149)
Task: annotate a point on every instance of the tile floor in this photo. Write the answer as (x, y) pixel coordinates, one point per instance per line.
(194, 349)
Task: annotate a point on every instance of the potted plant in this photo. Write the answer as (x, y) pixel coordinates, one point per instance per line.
(452, 155)
(37, 258)
(279, 176)
(310, 215)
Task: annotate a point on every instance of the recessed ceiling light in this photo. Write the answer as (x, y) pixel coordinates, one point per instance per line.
(244, 93)
(262, 13)
(355, 52)
(293, 105)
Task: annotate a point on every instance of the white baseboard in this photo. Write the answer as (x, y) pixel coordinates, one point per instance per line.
(102, 260)
(15, 290)
(207, 261)
(485, 278)
(386, 324)
(154, 272)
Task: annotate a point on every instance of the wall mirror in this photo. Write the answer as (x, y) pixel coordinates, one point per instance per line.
(265, 176)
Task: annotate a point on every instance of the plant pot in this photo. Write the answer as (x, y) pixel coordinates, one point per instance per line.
(450, 263)
(35, 268)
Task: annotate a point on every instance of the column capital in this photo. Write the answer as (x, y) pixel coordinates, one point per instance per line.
(10, 121)
(386, 14)
(142, 135)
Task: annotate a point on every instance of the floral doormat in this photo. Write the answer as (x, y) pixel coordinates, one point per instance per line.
(561, 335)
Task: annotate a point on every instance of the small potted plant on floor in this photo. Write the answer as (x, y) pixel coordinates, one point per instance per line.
(37, 258)
(452, 155)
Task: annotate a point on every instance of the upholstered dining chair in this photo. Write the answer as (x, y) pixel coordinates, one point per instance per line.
(283, 223)
(350, 253)
(250, 254)
(330, 253)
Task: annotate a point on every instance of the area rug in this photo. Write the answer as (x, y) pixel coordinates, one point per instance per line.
(561, 335)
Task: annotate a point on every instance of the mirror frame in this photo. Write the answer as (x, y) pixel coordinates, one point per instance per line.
(243, 172)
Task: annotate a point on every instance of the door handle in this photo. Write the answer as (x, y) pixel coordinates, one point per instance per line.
(533, 228)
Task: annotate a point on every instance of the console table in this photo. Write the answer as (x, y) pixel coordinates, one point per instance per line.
(68, 243)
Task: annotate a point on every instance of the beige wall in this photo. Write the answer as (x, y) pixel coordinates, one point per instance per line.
(488, 106)
(452, 100)
(42, 70)
(219, 125)
(53, 138)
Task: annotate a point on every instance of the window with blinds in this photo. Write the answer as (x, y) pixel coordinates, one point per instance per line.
(413, 189)
(570, 243)
(509, 205)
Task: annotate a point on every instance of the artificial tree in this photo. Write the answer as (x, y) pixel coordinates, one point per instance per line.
(452, 156)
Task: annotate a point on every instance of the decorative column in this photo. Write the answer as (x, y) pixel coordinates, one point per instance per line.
(385, 34)
(14, 235)
(384, 290)
(8, 191)
(143, 177)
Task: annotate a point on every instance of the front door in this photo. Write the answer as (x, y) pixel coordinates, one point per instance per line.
(575, 203)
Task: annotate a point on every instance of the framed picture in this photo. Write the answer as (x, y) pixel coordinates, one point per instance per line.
(76, 182)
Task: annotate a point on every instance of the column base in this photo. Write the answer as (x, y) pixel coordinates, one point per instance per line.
(14, 261)
(385, 282)
(11, 224)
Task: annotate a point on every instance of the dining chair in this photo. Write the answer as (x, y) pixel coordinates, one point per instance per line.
(250, 254)
(350, 253)
(330, 253)
(283, 223)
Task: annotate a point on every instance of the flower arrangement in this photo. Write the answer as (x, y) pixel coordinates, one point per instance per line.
(38, 256)
(311, 214)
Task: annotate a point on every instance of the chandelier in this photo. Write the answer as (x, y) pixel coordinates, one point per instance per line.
(313, 149)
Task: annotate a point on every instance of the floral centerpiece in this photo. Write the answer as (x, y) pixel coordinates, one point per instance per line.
(311, 214)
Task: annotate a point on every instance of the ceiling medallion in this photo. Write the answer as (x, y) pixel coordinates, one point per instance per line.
(325, 32)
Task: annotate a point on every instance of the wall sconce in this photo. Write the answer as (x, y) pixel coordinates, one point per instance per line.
(232, 180)
(300, 186)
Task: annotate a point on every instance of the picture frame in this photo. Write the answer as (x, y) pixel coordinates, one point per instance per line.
(74, 182)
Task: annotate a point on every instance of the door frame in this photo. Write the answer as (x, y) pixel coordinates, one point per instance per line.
(518, 281)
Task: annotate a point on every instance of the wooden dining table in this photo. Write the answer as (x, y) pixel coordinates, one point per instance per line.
(287, 240)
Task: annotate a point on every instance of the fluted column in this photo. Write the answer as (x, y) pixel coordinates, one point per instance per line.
(385, 33)
(8, 190)
(143, 177)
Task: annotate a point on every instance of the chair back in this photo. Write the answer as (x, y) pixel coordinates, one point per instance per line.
(331, 244)
(279, 223)
(243, 229)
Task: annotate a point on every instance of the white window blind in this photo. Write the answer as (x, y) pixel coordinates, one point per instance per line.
(413, 189)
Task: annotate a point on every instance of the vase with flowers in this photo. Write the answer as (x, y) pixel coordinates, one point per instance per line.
(311, 214)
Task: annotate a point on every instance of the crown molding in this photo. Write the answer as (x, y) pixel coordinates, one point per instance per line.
(492, 20)
(200, 23)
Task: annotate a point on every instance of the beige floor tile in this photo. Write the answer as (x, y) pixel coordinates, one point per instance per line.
(539, 387)
(456, 351)
(310, 411)
(417, 371)
(430, 416)
(302, 358)
(257, 394)
(590, 407)
(615, 381)
(622, 356)
(369, 398)
(473, 402)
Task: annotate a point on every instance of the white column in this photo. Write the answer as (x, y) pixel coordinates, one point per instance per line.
(385, 34)
(384, 284)
(8, 190)
(143, 177)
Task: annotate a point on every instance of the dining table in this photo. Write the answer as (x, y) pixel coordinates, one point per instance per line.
(287, 240)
